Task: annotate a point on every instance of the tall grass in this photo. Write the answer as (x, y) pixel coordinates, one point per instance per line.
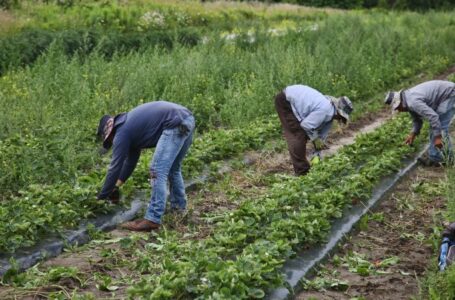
(50, 111)
(132, 15)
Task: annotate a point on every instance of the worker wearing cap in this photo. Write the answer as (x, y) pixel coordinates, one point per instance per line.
(433, 101)
(307, 115)
(164, 125)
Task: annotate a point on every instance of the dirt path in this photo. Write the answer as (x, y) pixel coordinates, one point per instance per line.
(385, 258)
(349, 136)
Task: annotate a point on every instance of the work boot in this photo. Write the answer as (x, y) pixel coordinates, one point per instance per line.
(140, 225)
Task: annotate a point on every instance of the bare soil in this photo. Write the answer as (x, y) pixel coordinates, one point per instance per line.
(404, 232)
(446, 73)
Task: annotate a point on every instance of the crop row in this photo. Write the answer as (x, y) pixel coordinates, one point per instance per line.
(41, 210)
(242, 258)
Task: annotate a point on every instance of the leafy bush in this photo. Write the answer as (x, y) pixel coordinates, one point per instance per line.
(7, 4)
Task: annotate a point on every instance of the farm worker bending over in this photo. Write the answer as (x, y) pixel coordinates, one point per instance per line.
(161, 124)
(433, 101)
(306, 114)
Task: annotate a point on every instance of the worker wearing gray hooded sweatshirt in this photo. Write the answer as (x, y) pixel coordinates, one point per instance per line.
(433, 101)
(306, 114)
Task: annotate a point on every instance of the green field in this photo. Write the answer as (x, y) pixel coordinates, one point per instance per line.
(63, 67)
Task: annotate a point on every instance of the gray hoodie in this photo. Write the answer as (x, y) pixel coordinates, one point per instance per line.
(428, 100)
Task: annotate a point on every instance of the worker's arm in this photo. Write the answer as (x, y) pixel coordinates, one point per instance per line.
(119, 154)
(416, 123)
(312, 123)
(422, 110)
(129, 166)
(323, 133)
(324, 130)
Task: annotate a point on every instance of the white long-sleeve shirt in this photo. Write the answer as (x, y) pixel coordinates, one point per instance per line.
(312, 109)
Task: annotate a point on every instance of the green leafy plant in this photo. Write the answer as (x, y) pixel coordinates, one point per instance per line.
(270, 229)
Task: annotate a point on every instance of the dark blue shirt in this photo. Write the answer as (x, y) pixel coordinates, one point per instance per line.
(138, 129)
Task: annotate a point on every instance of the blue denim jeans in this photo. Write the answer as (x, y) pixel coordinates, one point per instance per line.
(445, 118)
(167, 164)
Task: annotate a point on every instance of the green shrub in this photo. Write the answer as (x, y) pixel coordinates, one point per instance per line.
(24, 48)
(7, 4)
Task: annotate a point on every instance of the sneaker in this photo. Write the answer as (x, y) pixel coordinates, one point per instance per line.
(140, 225)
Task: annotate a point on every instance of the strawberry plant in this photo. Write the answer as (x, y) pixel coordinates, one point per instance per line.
(243, 255)
(43, 209)
(296, 212)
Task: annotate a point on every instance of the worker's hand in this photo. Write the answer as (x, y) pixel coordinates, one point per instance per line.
(438, 142)
(114, 196)
(315, 160)
(319, 145)
(410, 139)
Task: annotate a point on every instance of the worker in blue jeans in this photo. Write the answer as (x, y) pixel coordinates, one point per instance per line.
(433, 101)
(164, 125)
(435, 154)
